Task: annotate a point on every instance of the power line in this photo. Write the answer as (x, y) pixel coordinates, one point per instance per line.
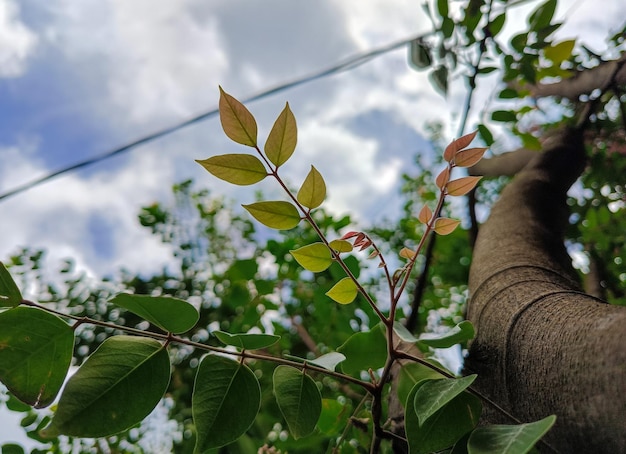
(347, 64)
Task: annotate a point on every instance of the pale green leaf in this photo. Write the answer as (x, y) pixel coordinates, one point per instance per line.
(299, 400)
(282, 139)
(435, 394)
(10, 295)
(35, 354)
(445, 226)
(411, 374)
(329, 360)
(225, 401)
(170, 314)
(314, 257)
(276, 215)
(403, 333)
(240, 169)
(250, 341)
(343, 292)
(313, 190)
(462, 332)
(116, 388)
(364, 350)
(237, 121)
(557, 53)
(341, 246)
(508, 439)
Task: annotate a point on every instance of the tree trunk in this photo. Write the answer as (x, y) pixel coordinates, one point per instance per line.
(543, 346)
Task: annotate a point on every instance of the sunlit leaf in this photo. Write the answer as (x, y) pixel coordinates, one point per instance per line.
(443, 178)
(237, 121)
(461, 186)
(407, 253)
(247, 341)
(340, 246)
(462, 332)
(469, 157)
(299, 400)
(240, 169)
(560, 52)
(457, 145)
(116, 388)
(508, 439)
(364, 350)
(425, 215)
(433, 395)
(10, 295)
(282, 139)
(314, 257)
(276, 215)
(445, 226)
(225, 401)
(411, 374)
(35, 354)
(313, 190)
(170, 314)
(329, 360)
(343, 292)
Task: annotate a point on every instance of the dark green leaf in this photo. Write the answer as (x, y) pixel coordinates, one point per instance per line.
(439, 78)
(496, 25)
(334, 416)
(299, 400)
(170, 314)
(462, 332)
(447, 27)
(10, 295)
(11, 448)
(247, 341)
(485, 134)
(226, 399)
(419, 54)
(433, 395)
(508, 439)
(508, 93)
(35, 354)
(442, 8)
(503, 116)
(364, 350)
(542, 16)
(411, 374)
(116, 388)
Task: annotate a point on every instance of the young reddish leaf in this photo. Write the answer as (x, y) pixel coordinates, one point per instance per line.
(443, 178)
(469, 157)
(450, 151)
(237, 121)
(313, 190)
(445, 226)
(462, 186)
(365, 244)
(407, 253)
(373, 254)
(276, 215)
(241, 169)
(425, 215)
(465, 140)
(314, 257)
(343, 292)
(283, 137)
(349, 235)
(340, 246)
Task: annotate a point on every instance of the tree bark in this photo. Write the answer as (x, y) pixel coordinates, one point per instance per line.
(543, 346)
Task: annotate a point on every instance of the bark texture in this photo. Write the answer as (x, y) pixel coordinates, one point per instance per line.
(543, 346)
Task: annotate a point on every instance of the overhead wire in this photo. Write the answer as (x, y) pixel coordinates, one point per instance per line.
(345, 65)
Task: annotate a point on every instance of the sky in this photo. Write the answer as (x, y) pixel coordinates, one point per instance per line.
(79, 78)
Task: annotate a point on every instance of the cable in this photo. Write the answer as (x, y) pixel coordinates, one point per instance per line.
(348, 64)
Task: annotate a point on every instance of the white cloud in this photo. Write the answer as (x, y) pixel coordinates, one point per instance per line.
(18, 41)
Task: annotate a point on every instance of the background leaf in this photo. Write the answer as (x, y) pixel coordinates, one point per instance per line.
(276, 215)
(226, 399)
(343, 292)
(329, 360)
(236, 168)
(313, 191)
(10, 295)
(433, 395)
(364, 350)
(314, 257)
(116, 388)
(237, 121)
(411, 374)
(35, 355)
(299, 400)
(250, 341)
(282, 139)
(508, 439)
(170, 314)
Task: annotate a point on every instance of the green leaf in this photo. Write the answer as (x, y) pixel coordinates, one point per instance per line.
(439, 78)
(403, 333)
(240, 169)
(313, 190)
(314, 257)
(485, 134)
(542, 16)
(560, 52)
(496, 25)
(411, 374)
(508, 93)
(343, 292)
(35, 354)
(299, 400)
(116, 388)
(11, 448)
(282, 139)
(170, 314)
(237, 121)
(247, 341)
(445, 427)
(435, 394)
(442, 7)
(508, 439)
(462, 332)
(329, 360)
(340, 246)
(276, 215)
(503, 116)
(419, 54)
(225, 401)
(10, 295)
(364, 350)
(334, 416)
